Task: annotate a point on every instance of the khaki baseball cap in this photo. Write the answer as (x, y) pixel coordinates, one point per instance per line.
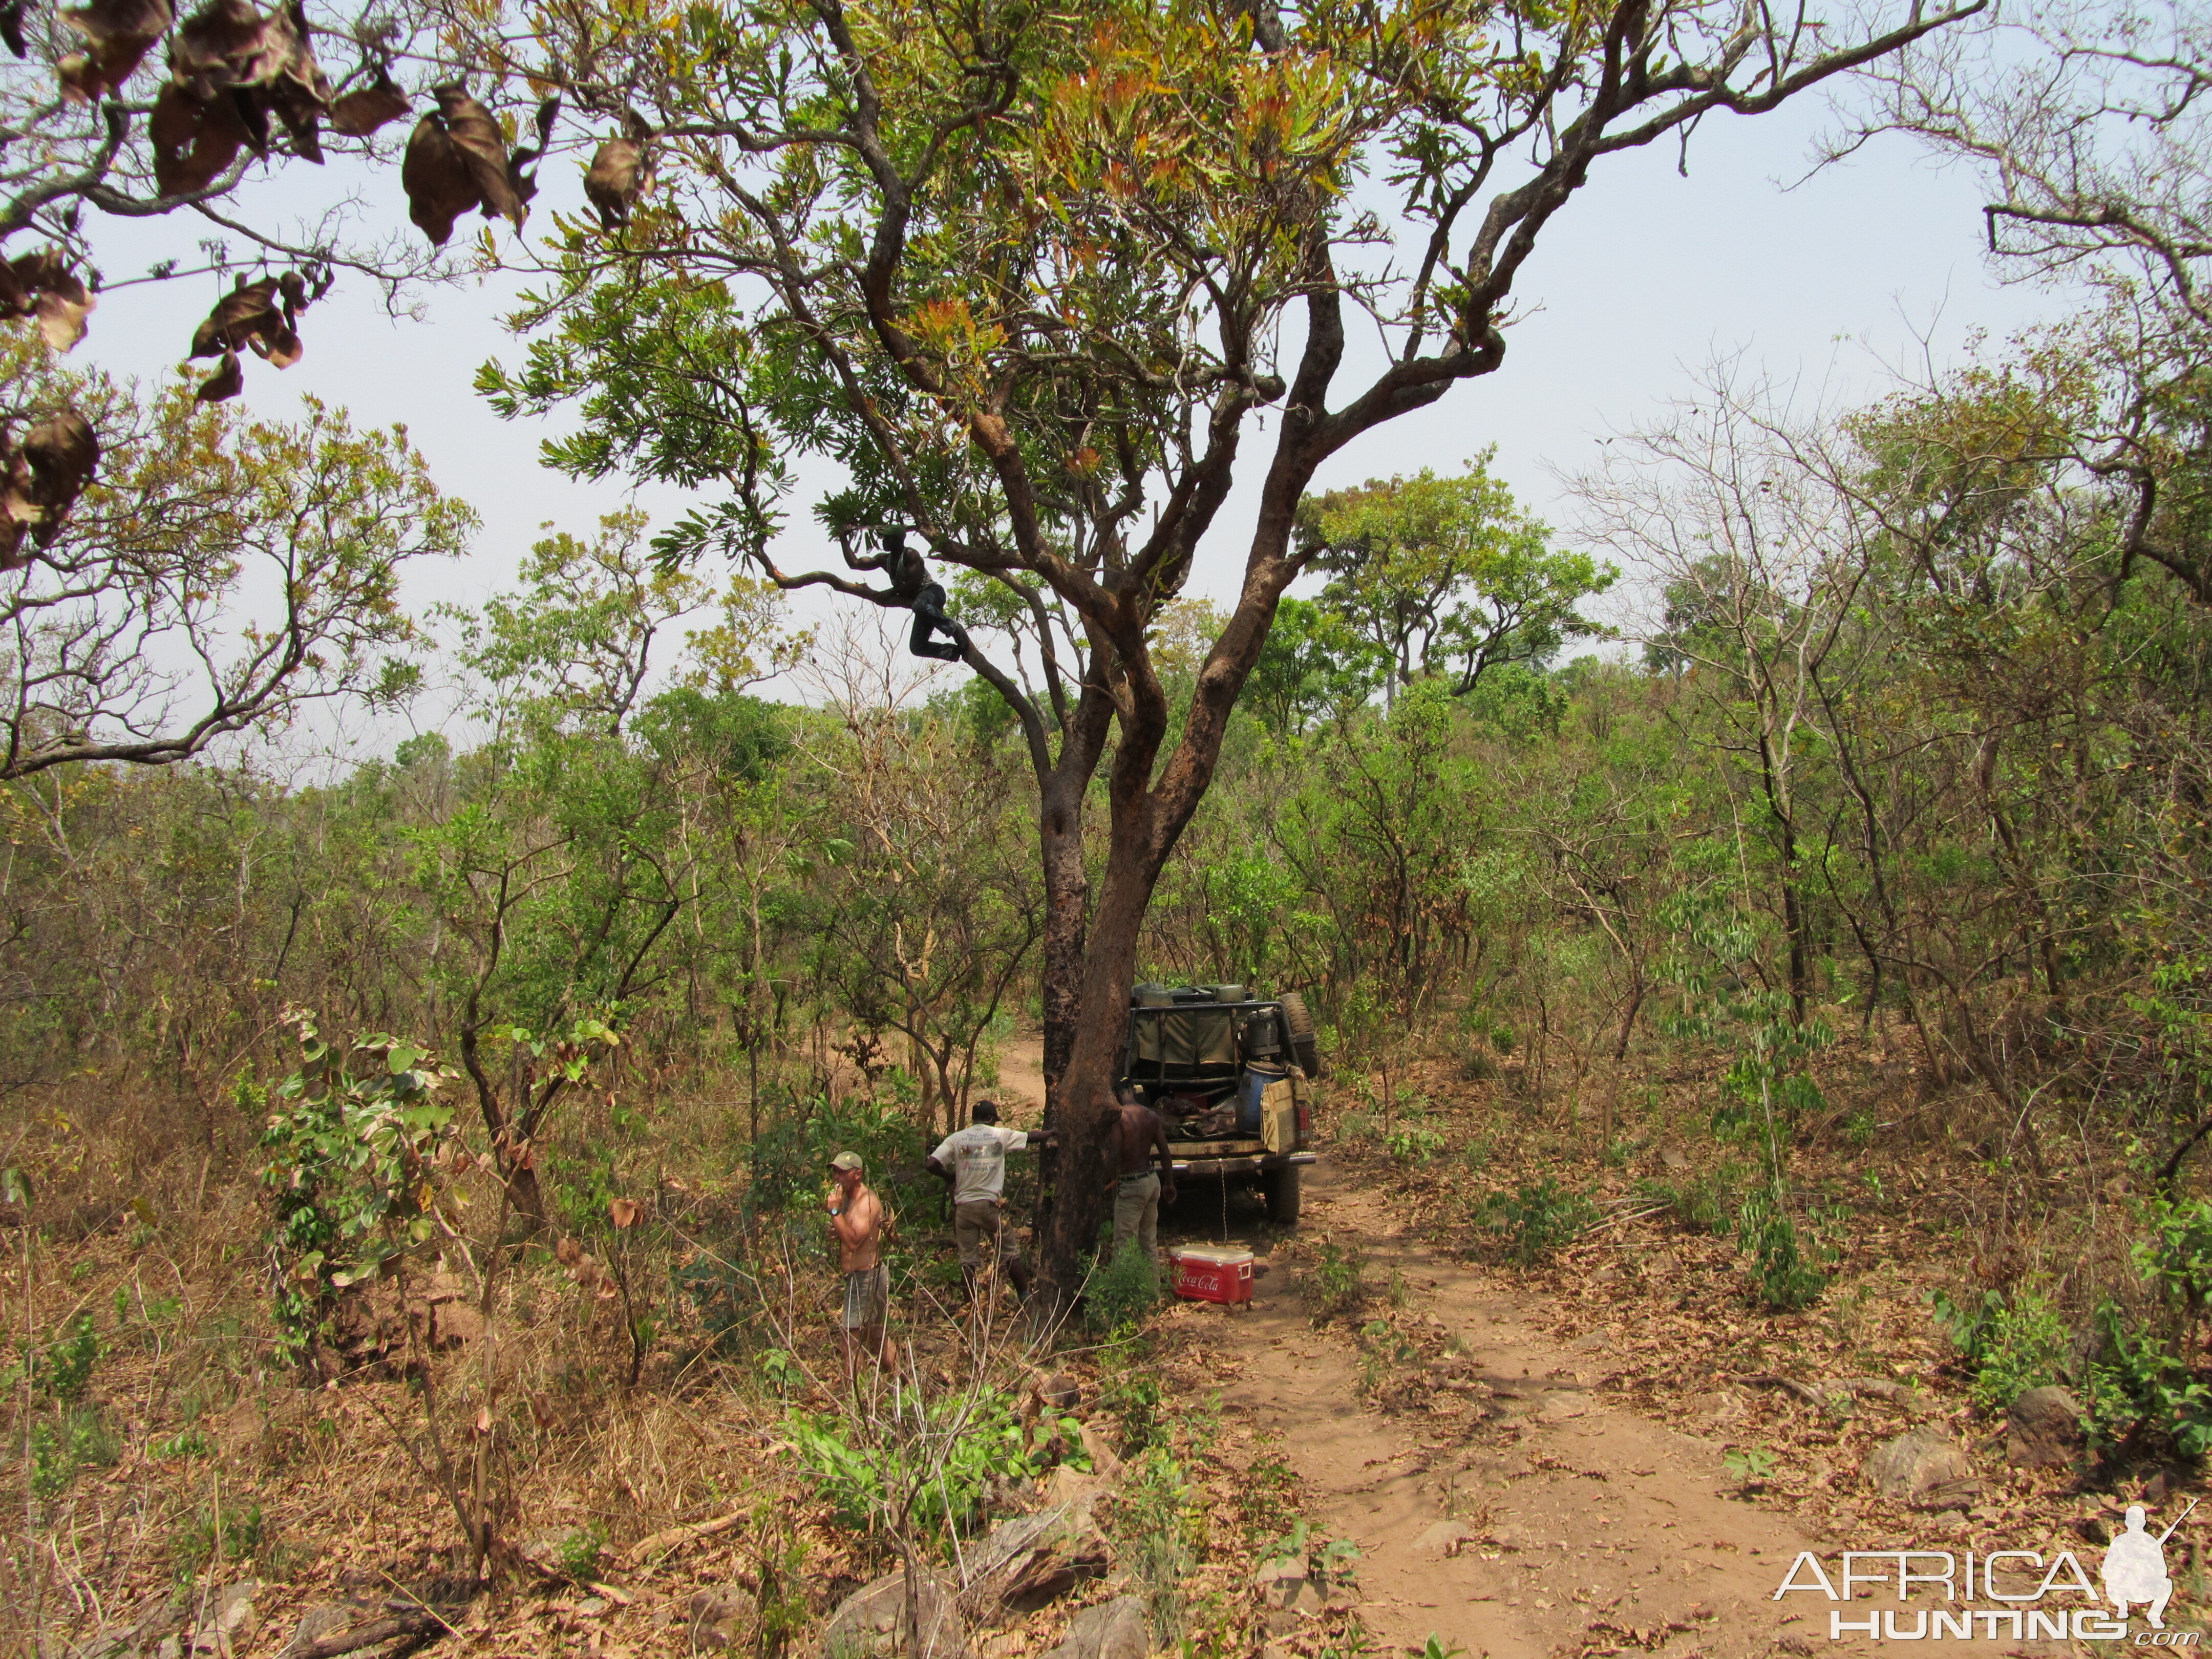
(847, 1161)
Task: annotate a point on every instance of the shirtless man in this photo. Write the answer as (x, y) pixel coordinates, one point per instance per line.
(1138, 1134)
(856, 1216)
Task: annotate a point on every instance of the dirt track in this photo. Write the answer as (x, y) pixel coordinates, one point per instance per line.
(1585, 1527)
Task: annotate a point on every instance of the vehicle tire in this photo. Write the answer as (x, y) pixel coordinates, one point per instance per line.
(1305, 1047)
(1280, 1188)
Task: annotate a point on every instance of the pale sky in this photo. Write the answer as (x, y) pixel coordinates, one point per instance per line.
(1643, 278)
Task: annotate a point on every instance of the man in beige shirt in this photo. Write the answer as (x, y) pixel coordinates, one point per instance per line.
(973, 1163)
(856, 1216)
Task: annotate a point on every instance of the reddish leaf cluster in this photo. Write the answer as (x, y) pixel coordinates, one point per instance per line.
(586, 1271)
(262, 316)
(40, 479)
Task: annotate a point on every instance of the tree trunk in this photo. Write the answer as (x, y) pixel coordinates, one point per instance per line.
(518, 1175)
(1067, 913)
(1067, 1227)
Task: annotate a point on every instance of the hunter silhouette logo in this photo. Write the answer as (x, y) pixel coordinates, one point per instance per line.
(2135, 1567)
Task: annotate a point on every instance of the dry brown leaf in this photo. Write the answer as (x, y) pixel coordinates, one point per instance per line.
(263, 63)
(524, 183)
(18, 511)
(475, 134)
(623, 1211)
(62, 312)
(299, 91)
(194, 141)
(220, 47)
(226, 383)
(439, 185)
(117, 34)
(238, 317)
(568, 1253)
(616, 178)
(42, 284)
(62, 453)
(360, 112)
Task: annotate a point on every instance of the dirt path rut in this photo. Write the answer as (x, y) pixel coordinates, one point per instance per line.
(1530, 1517)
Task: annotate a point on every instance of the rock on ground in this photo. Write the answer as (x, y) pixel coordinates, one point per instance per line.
(874, 1622)
(1028, 1560)
(1444, 1538)
(2043, 1429)
(1284, 1587)
(715, 1617)
(1924, 1467)
(1112, 1630)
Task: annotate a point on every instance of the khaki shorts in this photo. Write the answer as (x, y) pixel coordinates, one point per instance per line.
(974, 1225)
(867, 1297)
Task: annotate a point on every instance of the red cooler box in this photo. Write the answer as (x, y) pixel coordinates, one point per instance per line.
(1205, 1273)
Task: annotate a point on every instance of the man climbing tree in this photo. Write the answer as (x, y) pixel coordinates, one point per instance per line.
(909, 578)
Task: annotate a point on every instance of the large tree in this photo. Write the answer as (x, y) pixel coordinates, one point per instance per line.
(1447, 576)
(1018, 285)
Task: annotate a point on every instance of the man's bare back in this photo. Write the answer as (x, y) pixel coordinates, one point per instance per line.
(1139, 1135)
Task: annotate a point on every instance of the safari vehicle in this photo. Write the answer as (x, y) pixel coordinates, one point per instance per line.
(1233, 1074)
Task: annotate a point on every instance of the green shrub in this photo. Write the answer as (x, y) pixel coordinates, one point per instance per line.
(1327, 1563)
(1537, 1219)
(202, 1539)
(1336, 1284)
(1383, 1353)
(1748, 1465)
(352, 1170)
(954, 1447)
(1705, 1203)
(578, 1554)
(64, 1368)
(790, 1161)
(1123, 1294)
(78, 1437)
(1414, 1141)
(2140, 1391)
(1154, 1522)
(1130, 1394)
(1780, 1272)
(2007, 1344)
(186, 1442)
(722, 1295)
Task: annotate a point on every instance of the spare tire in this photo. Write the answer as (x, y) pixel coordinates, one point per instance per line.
(1305, 1047)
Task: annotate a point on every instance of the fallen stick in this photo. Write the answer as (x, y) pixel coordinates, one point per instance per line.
(414, 1621)
(1812, 1396)
(662, 1542)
